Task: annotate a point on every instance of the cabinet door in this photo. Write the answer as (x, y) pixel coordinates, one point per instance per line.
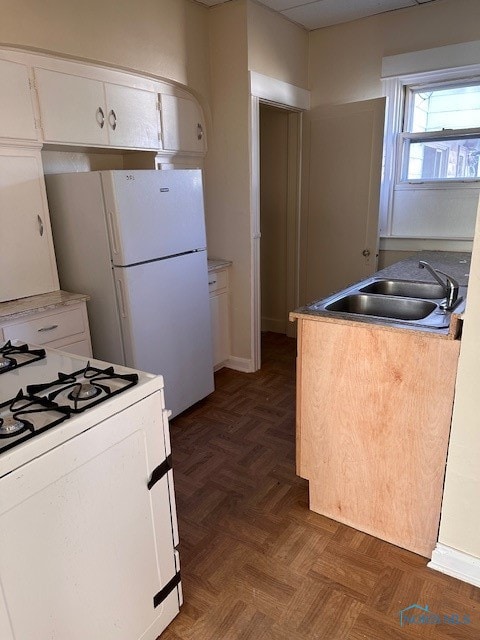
(132, 117)
(220, 333)
(27, 259)
(182, 125)
(72, 108)
(17, 118)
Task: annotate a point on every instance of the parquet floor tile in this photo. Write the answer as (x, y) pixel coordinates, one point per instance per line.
(256, 563)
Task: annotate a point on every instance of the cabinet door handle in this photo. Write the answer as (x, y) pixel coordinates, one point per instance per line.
(199, 131)
(40, 225)
(101, 120)
(49, 328)
(113, 115)
(212, 282)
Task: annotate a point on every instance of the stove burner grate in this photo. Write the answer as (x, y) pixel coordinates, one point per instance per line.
(85, 388)
(14, 356)
(26, 416)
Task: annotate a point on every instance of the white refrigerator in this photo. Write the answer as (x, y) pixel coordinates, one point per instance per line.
(134, 241)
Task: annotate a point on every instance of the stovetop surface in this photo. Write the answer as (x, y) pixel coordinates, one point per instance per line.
(80, 387)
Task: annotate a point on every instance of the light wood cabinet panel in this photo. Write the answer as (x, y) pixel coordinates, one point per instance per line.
(27, 259)
(182, 125)
(17, 116)
(373, 421)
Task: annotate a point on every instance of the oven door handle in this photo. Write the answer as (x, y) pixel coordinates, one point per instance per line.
(159, 472)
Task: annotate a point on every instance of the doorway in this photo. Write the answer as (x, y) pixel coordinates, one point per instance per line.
(279, 145)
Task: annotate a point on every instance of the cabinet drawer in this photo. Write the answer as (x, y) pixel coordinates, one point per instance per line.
(47, 328)
(217, 280)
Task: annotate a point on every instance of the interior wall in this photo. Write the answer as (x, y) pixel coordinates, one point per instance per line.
(228, 166)
(166, 38)
(273, 217)
(460, 520)
(345, 60)
(276, 47)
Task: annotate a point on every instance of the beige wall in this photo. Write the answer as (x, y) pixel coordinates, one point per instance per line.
(345, 60)
(460, 522)
(276, 47)
(166, 38)
(228, 163)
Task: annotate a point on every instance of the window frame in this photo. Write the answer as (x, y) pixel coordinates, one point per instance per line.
(395, 89)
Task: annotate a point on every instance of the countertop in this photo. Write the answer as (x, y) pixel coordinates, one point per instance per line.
(218, 263)
(14, 309)
(455, 263)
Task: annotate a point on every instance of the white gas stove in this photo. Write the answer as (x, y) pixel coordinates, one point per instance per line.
(88, 528)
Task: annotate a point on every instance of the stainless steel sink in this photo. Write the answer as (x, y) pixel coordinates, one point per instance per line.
(406, 288)
(383, 306)
(406, 302)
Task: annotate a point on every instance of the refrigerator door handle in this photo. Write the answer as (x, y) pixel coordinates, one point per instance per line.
(121, 296)
(113, 235)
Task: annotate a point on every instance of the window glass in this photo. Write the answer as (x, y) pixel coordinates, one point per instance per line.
(443, 159)
(447, 108)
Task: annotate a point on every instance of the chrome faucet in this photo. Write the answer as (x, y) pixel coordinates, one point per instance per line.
(450, 286)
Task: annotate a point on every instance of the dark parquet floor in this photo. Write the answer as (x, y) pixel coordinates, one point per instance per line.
(256, 563)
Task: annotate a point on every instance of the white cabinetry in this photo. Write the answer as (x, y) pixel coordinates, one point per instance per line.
(64, 327)
(218, 288)
(84, 111)
(182, 125)
(27, 259)
(17, 116)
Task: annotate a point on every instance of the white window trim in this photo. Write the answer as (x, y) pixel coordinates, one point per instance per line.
(394, 90)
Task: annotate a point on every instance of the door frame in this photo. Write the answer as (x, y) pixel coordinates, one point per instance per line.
(264, 89)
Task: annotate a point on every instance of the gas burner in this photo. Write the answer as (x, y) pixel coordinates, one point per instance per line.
(85, 388)
(14, 356)
(84, 391)
(24, 416)
(10, 426)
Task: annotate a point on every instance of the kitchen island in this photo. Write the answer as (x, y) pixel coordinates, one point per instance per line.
(374, 404)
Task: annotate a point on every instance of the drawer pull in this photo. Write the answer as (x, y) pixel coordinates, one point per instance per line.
(49, 328)
(212, 282)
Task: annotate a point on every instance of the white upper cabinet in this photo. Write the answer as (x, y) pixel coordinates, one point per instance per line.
(72, 108)
(27, 259)
(17, 116)
(132, 117)
(182, 125)
(85, 111)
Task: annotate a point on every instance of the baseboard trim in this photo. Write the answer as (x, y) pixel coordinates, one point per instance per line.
(240, 364)
(456, 564)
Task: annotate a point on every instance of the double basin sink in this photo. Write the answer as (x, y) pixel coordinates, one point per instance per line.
(397, 301)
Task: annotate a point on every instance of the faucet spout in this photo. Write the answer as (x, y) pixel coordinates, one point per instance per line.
(450, 285)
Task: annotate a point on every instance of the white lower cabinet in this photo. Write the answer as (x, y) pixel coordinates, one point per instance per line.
(27, 258)
(219, 310)
(64, 328)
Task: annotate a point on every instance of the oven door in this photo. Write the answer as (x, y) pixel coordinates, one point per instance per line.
(85, 545)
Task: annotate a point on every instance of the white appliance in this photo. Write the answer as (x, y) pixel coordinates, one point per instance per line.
(88, 524)
(134, 241)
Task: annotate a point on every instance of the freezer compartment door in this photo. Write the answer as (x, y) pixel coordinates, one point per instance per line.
(153, 214)
(165, 317)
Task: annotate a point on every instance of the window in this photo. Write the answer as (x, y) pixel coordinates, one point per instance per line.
(441, 134)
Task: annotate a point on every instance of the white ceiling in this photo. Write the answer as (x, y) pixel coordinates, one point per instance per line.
(314, 14)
